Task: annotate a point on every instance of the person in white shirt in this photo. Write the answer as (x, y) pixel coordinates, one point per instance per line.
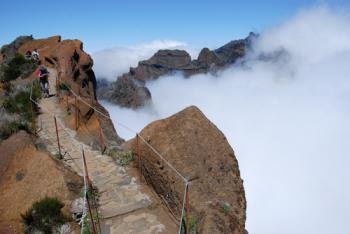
(35, 54)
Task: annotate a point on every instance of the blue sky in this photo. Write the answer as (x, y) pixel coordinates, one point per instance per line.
(103, 24)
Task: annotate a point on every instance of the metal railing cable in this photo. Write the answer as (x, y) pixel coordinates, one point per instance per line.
(47, 138)
(85, 194)
(185, 180)
(61, 125)
(132, 131)
(146, 143)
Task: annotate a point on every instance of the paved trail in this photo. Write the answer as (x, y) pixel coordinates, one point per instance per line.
(123, 207)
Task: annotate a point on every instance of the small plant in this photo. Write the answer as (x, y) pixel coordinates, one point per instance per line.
(225, 208)
(64, 86)
(122, 157)
(86, 226)
(17, 67)
(192, 225)
(19, 108)
(44, 215)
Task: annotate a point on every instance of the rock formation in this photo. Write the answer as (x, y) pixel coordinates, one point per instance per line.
(165, 62)
(27, 175)
(74, 67)
(200, 152)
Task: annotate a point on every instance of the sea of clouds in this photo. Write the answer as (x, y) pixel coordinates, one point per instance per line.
(286, 113)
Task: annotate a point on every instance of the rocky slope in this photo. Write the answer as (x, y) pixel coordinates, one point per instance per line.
(27, 175)
(74, 67)
(129, 89)
(200, 152)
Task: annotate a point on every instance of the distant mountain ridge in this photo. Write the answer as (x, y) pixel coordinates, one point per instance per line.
(129, 89)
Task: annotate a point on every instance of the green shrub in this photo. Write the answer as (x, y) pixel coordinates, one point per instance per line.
(18, 66)
(44, 215)
(225, 208)
(192, 222)
(20, 102)
(64, 86)
(18, 108)
(123, 158)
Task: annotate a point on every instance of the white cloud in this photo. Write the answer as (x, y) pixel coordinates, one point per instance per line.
(286, 118)
(110, 63)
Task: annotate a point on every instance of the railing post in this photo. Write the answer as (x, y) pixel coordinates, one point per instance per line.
(101, 140)
(139, 155)
(33, 117)
(187, 210)
(87, 199)
(76, 112)
(58, 139)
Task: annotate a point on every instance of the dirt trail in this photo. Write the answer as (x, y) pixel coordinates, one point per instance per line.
(123, 206)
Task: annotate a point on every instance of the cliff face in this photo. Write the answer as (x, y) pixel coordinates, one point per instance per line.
(74, 67)
(166, 62)
(200, 152)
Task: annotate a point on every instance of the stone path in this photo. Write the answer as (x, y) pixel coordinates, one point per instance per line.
(122, 205)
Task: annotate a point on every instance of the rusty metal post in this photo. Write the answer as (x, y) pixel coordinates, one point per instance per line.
(139, 155)
(58, 139)
(101, 140)
(76, 113)
(90, 186)
(33, 117)
(187, 211)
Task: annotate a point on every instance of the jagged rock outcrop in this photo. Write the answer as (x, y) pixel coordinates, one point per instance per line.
(167, 61)
(74, 67)
(200, 152)
(129, 94)
(161, 63)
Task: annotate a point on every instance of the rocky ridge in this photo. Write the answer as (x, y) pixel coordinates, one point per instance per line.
(129, 89)
(74, 68)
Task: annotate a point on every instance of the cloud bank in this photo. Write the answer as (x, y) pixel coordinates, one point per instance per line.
(112, 62)
(286, 113)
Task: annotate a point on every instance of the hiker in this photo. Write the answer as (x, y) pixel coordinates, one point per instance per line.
(35, 54)
(28, 54)
(44, 80)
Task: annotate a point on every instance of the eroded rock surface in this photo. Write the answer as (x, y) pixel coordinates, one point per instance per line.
(200, 152)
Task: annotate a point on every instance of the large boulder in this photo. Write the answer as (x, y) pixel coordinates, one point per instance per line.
(201, 153)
